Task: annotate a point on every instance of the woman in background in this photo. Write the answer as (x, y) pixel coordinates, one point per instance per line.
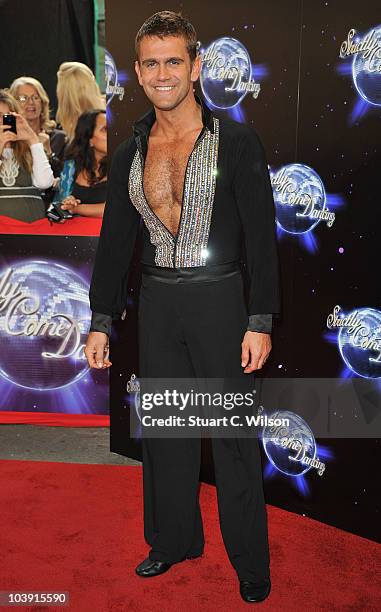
(34, 104)
(86, 166)
(24, 167)
(77, 92)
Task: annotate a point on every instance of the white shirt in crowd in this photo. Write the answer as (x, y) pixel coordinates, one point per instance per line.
(42, 174)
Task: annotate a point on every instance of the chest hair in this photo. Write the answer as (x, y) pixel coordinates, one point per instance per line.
(164, 174)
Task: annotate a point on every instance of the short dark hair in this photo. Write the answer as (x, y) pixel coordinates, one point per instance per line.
(168, 23)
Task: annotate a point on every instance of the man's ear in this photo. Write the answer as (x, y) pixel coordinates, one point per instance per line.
(137, 70)
(196, 68)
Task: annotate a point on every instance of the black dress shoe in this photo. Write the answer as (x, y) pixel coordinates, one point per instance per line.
(254, 592)
(149, 568)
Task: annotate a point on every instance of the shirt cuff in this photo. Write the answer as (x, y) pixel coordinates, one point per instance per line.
(42, 175)
(101, 323)
(260, 323)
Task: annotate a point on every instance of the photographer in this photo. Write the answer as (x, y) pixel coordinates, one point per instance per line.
(24, 166)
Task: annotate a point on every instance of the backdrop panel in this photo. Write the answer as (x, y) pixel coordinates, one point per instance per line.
(337, 163)
(44, 321)
(317, 114)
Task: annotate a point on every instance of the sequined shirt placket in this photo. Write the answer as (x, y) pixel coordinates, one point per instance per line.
(189, 247)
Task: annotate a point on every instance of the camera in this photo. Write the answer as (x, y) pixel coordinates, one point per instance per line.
(56, 214)
(11, 121)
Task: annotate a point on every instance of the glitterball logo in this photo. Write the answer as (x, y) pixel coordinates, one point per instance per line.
(113, 87)
(300, 199)
(291, 449)
(44, 320)
(358, 339)
(366, 63)
(226, 74)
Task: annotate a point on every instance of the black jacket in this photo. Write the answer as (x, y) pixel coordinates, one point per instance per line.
(227, 186)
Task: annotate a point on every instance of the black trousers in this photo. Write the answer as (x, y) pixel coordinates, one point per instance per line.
(189, 329)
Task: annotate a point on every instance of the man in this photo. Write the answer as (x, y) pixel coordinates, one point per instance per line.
(200, 185)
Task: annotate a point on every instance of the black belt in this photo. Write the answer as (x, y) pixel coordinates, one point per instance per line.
(192, 275)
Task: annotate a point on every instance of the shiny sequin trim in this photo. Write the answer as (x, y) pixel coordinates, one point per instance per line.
(189, 248)
(160, 236)
(199, 190)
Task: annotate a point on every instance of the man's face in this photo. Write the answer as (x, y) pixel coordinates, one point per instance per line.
(164, 70)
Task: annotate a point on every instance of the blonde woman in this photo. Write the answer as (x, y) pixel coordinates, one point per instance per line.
(77, 92)
(35, 107)
(24, 166)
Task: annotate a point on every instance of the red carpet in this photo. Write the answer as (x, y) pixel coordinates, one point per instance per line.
(57, 419)
(78, 226)
(78, 528)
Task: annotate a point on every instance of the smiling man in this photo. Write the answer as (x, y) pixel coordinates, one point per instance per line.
(201, 186)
